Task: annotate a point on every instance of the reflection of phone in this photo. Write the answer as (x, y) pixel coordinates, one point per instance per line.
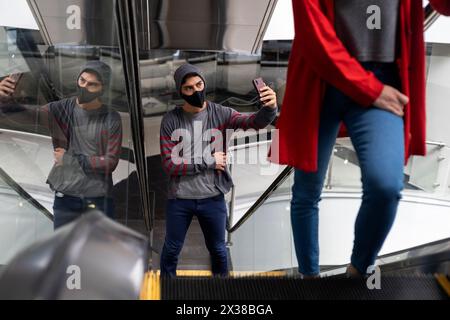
(258, 83)
(16, 76)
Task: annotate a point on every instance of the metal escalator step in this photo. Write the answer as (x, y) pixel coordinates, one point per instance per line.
(276, 288)
(151, 288)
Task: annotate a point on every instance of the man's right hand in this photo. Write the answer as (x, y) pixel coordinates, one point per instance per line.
(392, 100)
(221, 160)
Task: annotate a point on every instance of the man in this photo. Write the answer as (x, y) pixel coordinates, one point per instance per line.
(198, 169)
(87, 139)
(359, 62)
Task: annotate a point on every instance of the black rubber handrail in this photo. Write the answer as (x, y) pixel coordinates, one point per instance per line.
(269, 191)
(431, 16)
(24, 194)
(129, 51)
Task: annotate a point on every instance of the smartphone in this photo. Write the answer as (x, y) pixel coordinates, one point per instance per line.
(16, 76)
(258, 83)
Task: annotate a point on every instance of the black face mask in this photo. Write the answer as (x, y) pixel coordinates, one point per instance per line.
(197, 99)
(84, 96)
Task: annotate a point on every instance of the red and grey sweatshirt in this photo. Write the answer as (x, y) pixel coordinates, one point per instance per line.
(189, 176)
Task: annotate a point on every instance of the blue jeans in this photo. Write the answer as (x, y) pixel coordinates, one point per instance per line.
(67, 208)
(377, 137)
(212, 215)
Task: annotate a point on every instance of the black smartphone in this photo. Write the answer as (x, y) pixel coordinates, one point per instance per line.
(16, 76)
(258, 83)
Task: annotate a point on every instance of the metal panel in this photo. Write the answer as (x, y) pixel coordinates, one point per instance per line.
(222, 25)
(229, 25)
(82, 22)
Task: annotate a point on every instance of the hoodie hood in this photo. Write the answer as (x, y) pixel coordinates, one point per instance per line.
(182, 72)
(100, 68)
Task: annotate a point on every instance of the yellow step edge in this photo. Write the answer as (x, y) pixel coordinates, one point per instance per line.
(207, 273)
(151, 287)
(444, 282)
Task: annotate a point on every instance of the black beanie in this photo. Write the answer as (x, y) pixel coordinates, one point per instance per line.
(100, 68)
(182, 72)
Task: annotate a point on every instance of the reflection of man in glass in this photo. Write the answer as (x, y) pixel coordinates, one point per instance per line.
(192, 140)
(87, 139)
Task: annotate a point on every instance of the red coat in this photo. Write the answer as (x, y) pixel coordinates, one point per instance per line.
(318, 57)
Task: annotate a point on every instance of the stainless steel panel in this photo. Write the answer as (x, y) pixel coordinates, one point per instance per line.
(81, 22)
(229, 25)
(218, 25)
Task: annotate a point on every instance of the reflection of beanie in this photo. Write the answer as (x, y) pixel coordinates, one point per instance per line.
(182, 72)
(100, 68)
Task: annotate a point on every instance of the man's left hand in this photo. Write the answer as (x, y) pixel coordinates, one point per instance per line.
(59, 154)
(268, 97)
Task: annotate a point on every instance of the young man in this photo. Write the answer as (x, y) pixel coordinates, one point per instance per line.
(192, 144)
(87, 139)
(360, 62)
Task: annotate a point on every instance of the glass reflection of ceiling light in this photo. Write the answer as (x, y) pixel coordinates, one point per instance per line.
(288, 208)
(346, 161)
(21, 204)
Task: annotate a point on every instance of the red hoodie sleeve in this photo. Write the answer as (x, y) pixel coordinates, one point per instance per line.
(326, 54)
(441, 6)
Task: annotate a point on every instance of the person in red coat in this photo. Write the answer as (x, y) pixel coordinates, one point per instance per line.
(360, 63)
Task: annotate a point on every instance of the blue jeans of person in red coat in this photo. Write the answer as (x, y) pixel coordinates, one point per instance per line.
(378, 138)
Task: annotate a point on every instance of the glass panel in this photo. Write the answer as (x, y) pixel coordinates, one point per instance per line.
(229, 83)
(252, 174)
(427, 175)
(424, 170)
(21, 223)
(343, 170)
(228, 77)
(426, 190)
(41, 110)
(264, 242)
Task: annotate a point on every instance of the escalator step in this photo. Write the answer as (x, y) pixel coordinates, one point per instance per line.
(276, 288)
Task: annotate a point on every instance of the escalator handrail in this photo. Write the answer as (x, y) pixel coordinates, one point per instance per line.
(24, 194)
(386, 256)
(269, 191)
(431, 16)
(129, 51)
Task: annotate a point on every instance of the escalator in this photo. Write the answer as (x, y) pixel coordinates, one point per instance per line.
(423, 287)
(260, 242)
(144, 51)
(418, 273)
